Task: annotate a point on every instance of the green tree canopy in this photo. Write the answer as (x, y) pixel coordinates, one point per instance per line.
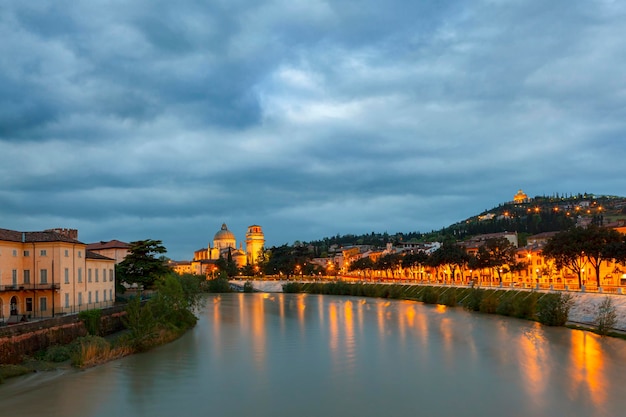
(449, 254)
(497, 253)
(575, 247)
(142, 266)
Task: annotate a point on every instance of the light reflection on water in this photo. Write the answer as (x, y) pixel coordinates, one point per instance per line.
(284, 354)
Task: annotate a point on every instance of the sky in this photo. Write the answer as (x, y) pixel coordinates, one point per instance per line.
(159, 119)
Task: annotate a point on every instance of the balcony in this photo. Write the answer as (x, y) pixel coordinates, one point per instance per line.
(30, 287)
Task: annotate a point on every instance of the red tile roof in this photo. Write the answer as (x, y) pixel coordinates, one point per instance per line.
(31, 237)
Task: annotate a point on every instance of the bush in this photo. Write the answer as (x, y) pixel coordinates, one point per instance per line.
(248, 287)
(488, 304)
(606, 316)
(525, 305)
(292, 287)
(472, 301)
(91, 319)
(430, 296)
(448, 297)
(553, 309)
(505, 306)
(218, 285)
(57, 353)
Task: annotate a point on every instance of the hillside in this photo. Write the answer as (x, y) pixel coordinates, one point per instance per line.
(532, 216)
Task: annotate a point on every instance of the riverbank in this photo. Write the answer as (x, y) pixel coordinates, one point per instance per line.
(145, 325)
(582, 312)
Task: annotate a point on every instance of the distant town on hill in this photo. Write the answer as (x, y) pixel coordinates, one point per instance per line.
(525, 215)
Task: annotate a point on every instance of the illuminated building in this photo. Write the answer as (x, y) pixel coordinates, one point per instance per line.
(520, 197)
(50, 272)
(224, 245)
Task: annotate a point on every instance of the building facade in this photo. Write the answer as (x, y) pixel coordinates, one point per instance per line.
(224, 245)
(113, 249)
(51, 272)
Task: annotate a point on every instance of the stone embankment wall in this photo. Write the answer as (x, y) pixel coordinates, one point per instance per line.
(23, 339)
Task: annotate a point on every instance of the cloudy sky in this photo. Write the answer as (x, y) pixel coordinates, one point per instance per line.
(163, 119)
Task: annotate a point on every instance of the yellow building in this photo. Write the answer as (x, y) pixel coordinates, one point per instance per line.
(113, 249)
(225, 243)
(520, 197)
(50, 272)
(255, 242)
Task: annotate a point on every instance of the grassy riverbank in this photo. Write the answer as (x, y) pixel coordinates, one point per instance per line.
(547, 308)
(160, 320)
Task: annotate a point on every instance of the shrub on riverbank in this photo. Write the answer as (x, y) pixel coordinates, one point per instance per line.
(606, 317)
(248, 287)
(161, 319)
(430, 296)
(292, 287)
(551, 309)
(91, 319)
(473, 299)
(218, 285)
(448, 297)
(94, 350)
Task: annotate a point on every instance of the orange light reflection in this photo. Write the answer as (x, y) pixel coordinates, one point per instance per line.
(588, 367)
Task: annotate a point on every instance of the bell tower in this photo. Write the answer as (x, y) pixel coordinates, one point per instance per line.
(255, 241)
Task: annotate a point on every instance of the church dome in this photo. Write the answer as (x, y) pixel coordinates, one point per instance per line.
(224, 234)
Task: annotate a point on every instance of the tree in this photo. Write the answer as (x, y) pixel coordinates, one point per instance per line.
(389, 262)
(450, 254)
(227, 265)
(141, 266)
(363, 264)
(565, 248)
(599, 245)
(575, 247)
(497, 253)
(415, 260)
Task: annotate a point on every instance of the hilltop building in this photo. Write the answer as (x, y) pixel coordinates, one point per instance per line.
(51, 272)
(520, 197)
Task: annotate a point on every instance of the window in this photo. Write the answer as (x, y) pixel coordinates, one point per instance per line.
(29, 304)
(80, 254)
(89, 298)
(110, 295)
(67, 300)
(67, 253)
(14, 252)
(111, 275)
(14, 277)
(43, 252)
(80, 298)
(26, 253)
(43, 276)
(80, 274)
(43, 304)
(67, 275)
(104, 275)
(96, 275)
(97, 292)
(104, 295)
(89, 275)
(27, 276)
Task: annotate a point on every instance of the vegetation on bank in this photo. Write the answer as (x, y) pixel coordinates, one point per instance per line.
(159, 320)
(551, 309)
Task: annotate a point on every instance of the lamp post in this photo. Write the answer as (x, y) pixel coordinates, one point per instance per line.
(537, 275)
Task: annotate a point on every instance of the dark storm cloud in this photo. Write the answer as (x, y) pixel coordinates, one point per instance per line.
(134, 119)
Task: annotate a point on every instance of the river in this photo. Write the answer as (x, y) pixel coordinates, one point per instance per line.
(312, 355)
